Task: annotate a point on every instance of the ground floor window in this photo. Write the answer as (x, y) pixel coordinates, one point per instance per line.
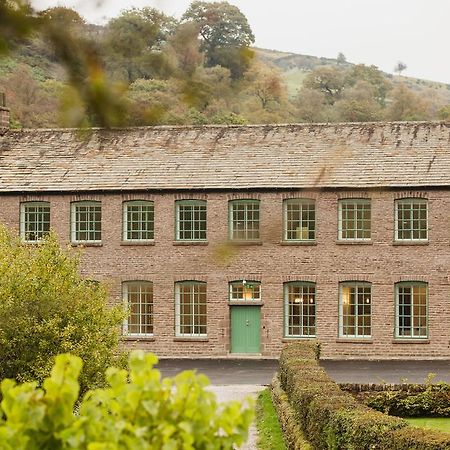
(300, 309)
(411, 300)
(245, 291)
(190, 309)
(138, 299)
(34, 221)
(355, 309)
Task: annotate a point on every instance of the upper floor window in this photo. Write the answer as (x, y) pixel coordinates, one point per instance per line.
(411, 310)
(355, 309)
(411, 219)
(138, 300)
(354, 220)
(190, 220)
(34, 221)
(299, 220)
(245, 291)
(190, 309)
(138, 221)
(299, 309)
(86, 222)
(244, 220)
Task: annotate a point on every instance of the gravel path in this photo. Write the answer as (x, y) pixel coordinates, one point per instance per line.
(226, 393)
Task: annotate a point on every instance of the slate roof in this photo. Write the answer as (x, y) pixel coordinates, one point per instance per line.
(370, 155)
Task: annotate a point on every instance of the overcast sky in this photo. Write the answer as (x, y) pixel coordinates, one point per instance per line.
(379, 32)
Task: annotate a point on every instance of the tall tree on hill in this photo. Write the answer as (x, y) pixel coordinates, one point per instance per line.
(225, 34)
(134, 43)
(400, 67)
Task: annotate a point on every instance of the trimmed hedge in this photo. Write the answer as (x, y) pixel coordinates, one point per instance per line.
(333, 419)
(293, 435)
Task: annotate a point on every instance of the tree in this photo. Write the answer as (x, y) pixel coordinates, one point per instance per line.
(341, 59)
(400, 67)
(223, 30)
(376, 81)
(311, 106)
(444, 113)
(359, 104)
(136, 411)
(46, 308)
(134, 42)
(328, 80)
(406, 105)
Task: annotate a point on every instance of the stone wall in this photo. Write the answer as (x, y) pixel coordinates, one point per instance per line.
(327, 262)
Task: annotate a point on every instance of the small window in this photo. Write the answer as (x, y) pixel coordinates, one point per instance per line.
(34, 221)
(86, 222)
(245, 291)
(411, 304)
(354, 220)
(355, 310)
(138, 221)
(190, 309)
(411, 220)
(299, 220)
(244, 220)
(138, 300)
(190, 220)
(299, 309)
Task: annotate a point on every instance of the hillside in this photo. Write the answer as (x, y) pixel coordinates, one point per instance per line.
(294, 68)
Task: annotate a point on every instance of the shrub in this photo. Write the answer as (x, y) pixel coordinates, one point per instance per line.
(46, 308)
(136, 411)
(333, 419)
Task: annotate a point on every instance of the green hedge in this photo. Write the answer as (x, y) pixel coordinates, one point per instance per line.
(333, 419)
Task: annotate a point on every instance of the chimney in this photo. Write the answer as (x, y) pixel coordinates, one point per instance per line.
(4, 112)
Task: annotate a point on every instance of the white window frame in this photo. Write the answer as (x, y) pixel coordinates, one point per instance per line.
(248, 291)
(194, 204)
(73, 221)
(357, 315)
(40, 223)
(246, 221)
(178, 314)
(411, 284)
(302, 202)
(125, 296)
(301, 301)
(354, 201)
(410, 201)
(125, 222)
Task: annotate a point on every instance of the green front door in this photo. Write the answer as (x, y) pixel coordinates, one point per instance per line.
(245, 329)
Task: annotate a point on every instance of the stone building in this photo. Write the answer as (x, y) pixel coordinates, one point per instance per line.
(233, 240)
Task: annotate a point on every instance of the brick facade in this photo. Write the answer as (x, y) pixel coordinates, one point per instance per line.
(327, 262)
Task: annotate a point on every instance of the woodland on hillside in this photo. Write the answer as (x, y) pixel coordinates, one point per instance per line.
(146, 68)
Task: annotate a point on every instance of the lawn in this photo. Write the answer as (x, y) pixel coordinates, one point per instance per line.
(435, 423)
(270, 436)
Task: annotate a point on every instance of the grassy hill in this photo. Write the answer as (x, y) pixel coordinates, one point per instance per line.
(294, 68)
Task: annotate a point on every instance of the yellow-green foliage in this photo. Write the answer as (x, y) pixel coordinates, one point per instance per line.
(136, 411)
(46, 308)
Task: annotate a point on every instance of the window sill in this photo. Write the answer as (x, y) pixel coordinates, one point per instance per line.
(138, 243)
(86, 244)
(298, 243)
(400, 243)
(137, 338)
(244, 243)
(353, 242)
(183, 243)
(343, 340)
(245, 303)
(297, 338)
(190, 339)
(410, 341)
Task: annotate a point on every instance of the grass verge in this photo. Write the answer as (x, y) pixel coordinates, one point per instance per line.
(270, 436)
